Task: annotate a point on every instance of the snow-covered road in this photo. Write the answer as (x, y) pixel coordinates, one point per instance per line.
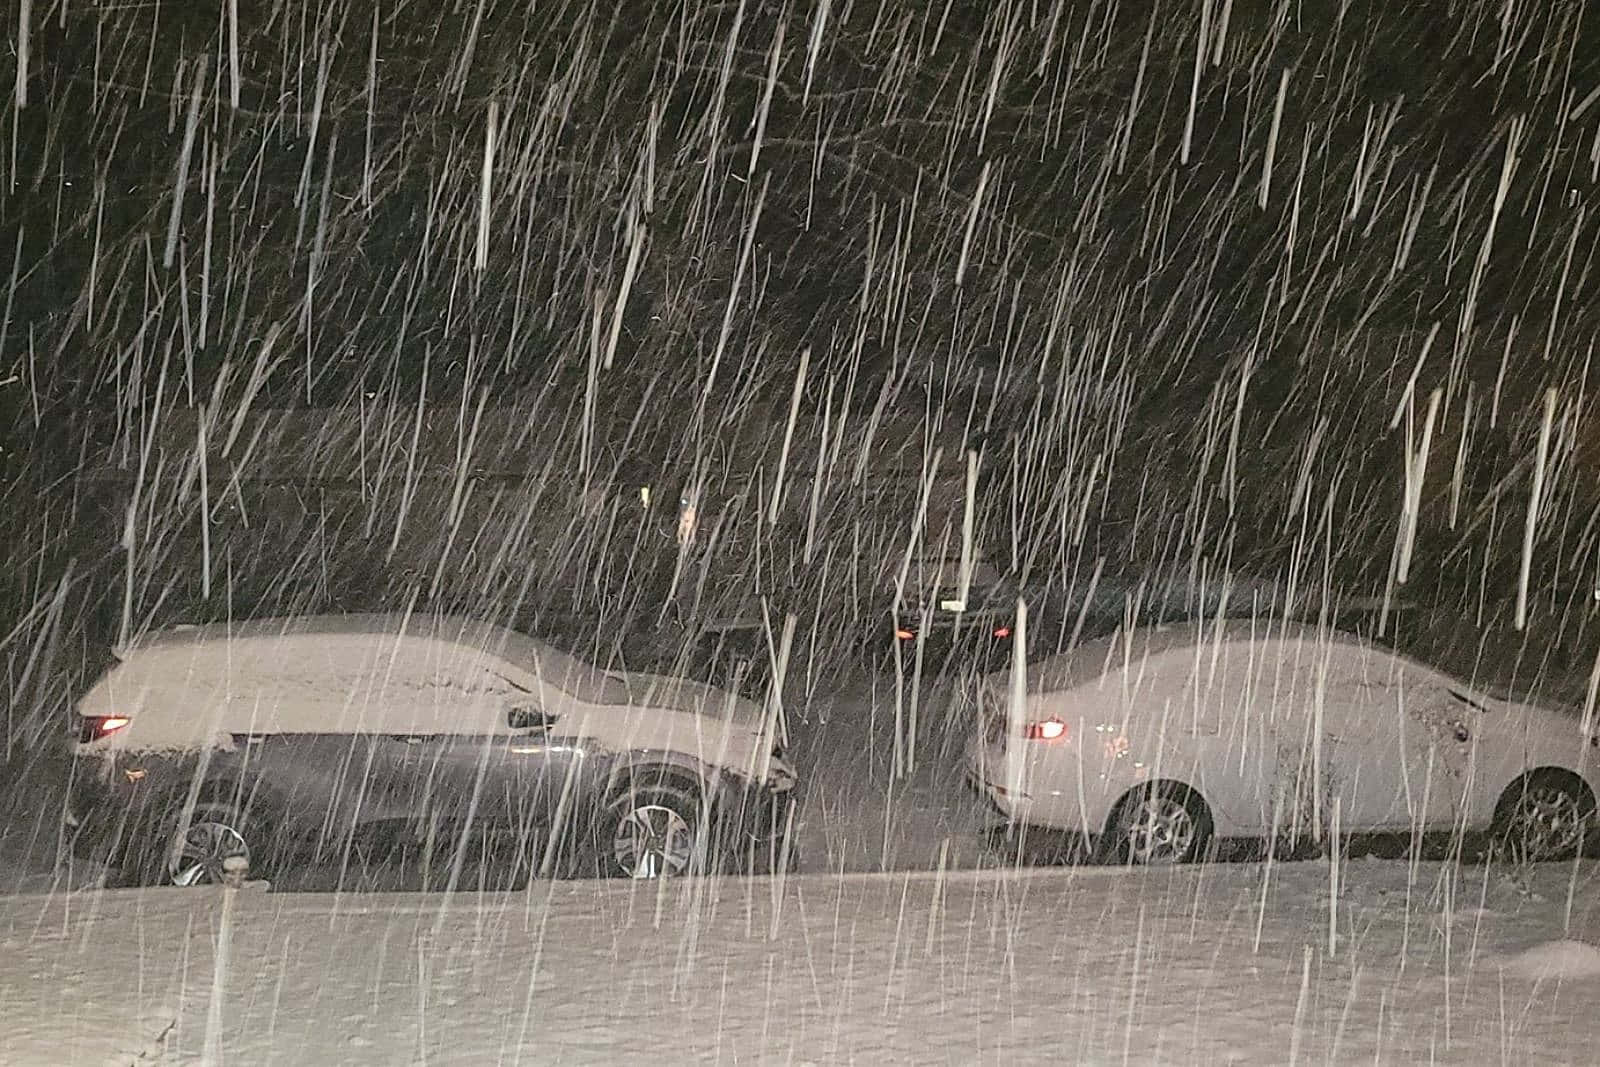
(1224, 963)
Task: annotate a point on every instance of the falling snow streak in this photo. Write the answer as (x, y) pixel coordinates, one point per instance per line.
(651, 326)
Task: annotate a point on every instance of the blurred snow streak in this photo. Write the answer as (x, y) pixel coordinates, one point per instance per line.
(322, 307)
(615, 321)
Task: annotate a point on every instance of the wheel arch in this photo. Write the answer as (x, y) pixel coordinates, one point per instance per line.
(669, 768)
(1181, 787)
(144, 840)
(1553, 772)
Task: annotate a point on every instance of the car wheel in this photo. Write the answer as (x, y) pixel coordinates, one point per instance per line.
(216, 837)
(1543, 817)
(1157, 825)
(653, 831)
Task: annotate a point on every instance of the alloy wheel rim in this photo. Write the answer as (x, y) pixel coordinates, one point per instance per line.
(1158, 830)
(205, 848)
(653, 841)
(1548, 822)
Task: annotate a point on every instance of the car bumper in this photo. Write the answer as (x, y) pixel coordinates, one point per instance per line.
(758, 824)
(93, 805)
(985, 776)
(1009, 805)
(108, 802)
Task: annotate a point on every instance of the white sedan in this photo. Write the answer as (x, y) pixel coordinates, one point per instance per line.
(1155, 741)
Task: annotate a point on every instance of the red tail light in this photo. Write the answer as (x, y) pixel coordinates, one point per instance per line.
(94, 727)
(1047, 730)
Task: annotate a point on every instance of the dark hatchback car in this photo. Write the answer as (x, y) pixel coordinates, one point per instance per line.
(271, 743)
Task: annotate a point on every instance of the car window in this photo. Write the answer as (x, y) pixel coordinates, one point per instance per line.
(572, 676)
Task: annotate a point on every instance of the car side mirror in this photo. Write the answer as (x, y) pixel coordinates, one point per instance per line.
(529, 719)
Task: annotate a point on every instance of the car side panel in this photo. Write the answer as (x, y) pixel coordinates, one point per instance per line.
(1527, 738)
(313, 787)
(1206, 721)
(304, 787)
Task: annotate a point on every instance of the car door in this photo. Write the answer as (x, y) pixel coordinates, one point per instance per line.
(1350, 740)
(439, 740)
(502, 764)
(322, 785)
(1293, 703)
(1393, 761)
(1220, 719)
(293, 703)
(544, 763)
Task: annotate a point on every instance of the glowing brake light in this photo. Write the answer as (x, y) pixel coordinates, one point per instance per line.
(1048, 730)
(94, 727)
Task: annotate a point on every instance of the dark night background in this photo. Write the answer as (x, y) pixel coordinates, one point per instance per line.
(981, 220)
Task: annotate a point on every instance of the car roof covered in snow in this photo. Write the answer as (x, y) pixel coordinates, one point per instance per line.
(583, 680)
(1091, 659)
(449, 627)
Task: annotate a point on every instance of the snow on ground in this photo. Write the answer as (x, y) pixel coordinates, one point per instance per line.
(854, 815)
(1555, 959)
(1223, 963)
(1090, 965)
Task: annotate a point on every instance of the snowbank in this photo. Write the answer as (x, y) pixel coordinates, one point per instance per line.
(1555, 959)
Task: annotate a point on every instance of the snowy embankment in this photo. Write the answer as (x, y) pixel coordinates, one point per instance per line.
(1226, 963)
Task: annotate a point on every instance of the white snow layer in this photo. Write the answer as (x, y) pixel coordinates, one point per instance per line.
(1077, 965)
(192, 688)
(1555, 959)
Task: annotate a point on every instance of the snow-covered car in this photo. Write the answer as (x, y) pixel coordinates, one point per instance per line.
(276, 739)
(1153, 742)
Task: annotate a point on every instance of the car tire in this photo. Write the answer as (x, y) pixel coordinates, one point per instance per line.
(1543, 817)
(1160, 824)
(213, 834)
(653, 830)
